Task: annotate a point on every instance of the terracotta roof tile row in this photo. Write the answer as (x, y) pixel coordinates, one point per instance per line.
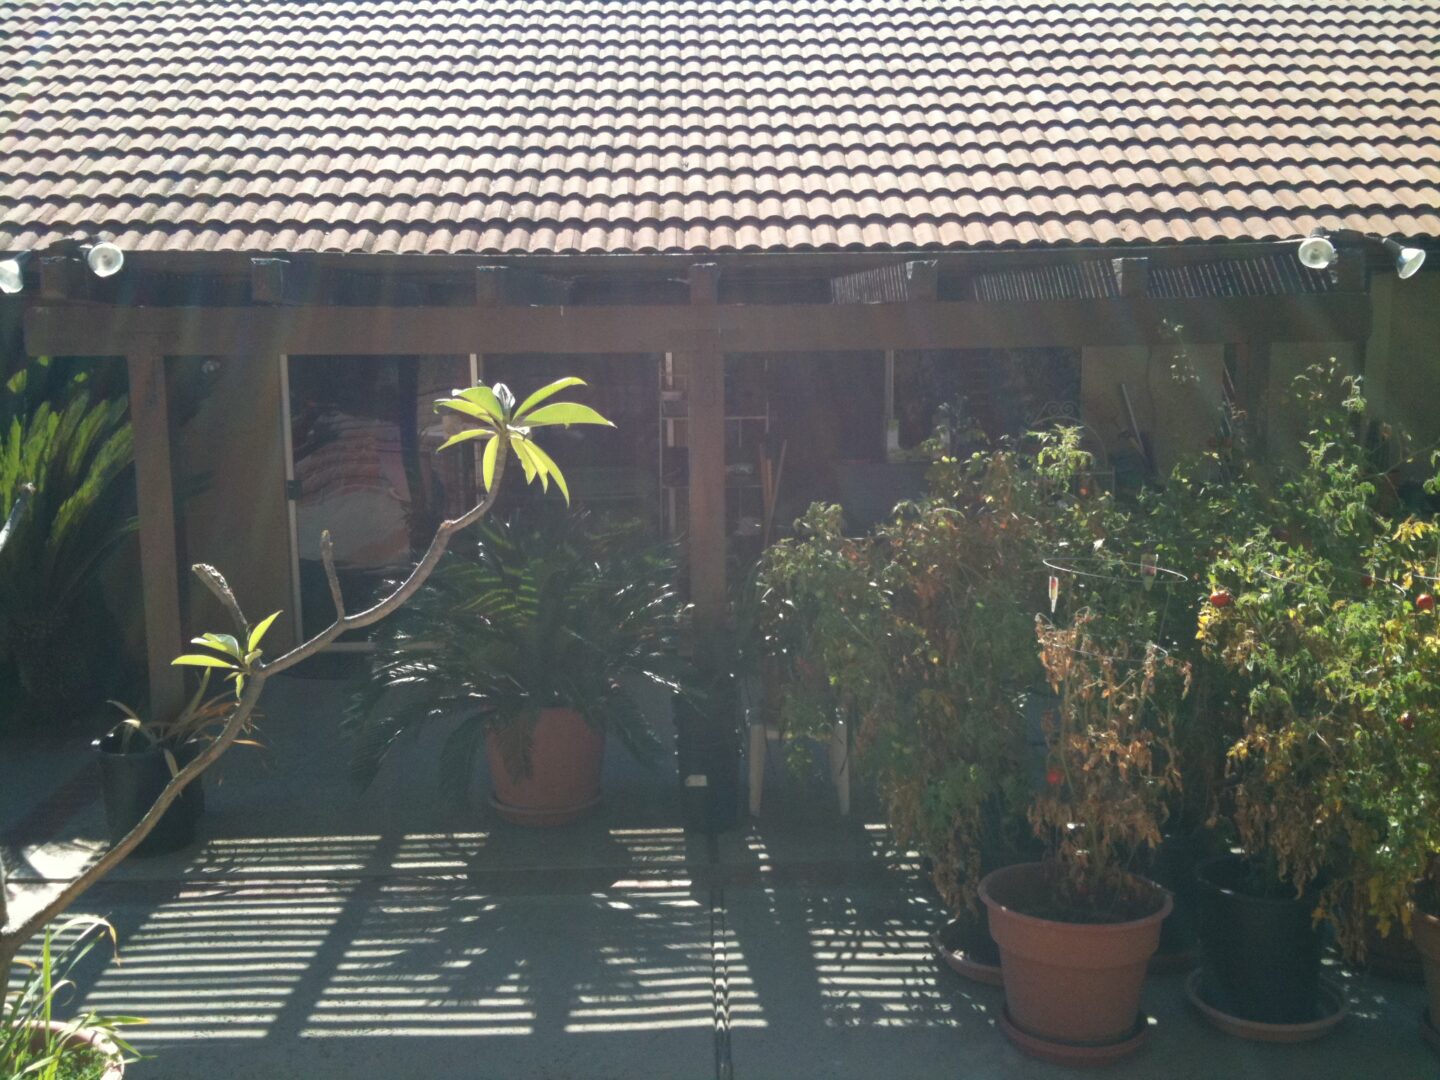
(630, 126)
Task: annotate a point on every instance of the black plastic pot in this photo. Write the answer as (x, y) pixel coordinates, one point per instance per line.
(1261, 954)
(970, 933)
(707, 747)
(132, 781)
(1174, 867)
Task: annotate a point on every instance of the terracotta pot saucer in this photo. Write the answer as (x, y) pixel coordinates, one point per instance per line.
(960, 962)
(520, 815)
(1428, 1031)
(1058, 1052)
(1333, 1004)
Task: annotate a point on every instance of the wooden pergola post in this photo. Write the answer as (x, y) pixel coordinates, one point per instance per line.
(159, 560)
(706, 440)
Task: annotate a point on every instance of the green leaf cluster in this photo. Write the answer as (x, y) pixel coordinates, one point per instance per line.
(922, 632)
(500, 424)
(227, 655)
(1334, 769)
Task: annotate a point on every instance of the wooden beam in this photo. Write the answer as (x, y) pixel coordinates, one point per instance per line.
(706, 455)
(705, 284)
(159, 560)
(498, 286)
(268, 280)
(1132, 275)
(62, 277)
(101, 330)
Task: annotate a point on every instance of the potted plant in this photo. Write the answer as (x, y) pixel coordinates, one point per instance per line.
(922, 631)
(532, 643)
(1077, 929)
(33, 1042)
(956, 744)
(138, 757)
(1324, 620)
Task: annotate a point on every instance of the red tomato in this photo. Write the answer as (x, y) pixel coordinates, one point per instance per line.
(1425, 602)
(1220, 598)
(1407, 720)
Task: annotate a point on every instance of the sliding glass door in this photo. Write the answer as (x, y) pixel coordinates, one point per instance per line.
(363, 436)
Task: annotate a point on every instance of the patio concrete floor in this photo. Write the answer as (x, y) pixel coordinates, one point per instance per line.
(321, 932)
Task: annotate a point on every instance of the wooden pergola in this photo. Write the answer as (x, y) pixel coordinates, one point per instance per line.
(378, 305)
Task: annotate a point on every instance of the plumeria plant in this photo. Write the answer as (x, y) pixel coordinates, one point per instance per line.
(487, 413)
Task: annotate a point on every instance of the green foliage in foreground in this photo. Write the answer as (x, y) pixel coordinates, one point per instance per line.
(29, 1049)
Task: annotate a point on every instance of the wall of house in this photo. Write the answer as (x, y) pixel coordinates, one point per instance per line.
(1402, 357)
(1283, 421)
(230, 475)
(1176, 395)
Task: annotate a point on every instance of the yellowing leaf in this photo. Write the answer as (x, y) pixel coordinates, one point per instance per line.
(565, 412)
(200, 660)
(545, 392)
(487, 464)
(465, 436)
(259, 631)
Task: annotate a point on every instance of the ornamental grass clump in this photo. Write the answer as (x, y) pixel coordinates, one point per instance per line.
(35, 1044)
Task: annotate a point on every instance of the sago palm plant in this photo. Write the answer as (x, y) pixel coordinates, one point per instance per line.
(535, 616)
(76, 452)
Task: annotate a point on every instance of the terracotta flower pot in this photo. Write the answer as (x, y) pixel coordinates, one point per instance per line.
(1427, 940)
(1070, 984)
(566, 755)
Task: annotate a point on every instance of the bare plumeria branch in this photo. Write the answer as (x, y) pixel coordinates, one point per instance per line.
(327, 559)
(494, 417)
(215, 581)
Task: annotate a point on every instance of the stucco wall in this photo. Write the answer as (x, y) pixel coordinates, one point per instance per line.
(1402, 357)
(1284, 420)
(1176, 394)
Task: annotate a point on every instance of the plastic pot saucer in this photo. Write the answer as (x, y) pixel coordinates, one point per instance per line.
(964, 965)
(1428, 1031)
(1059, 1052)
(1334, 1006)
